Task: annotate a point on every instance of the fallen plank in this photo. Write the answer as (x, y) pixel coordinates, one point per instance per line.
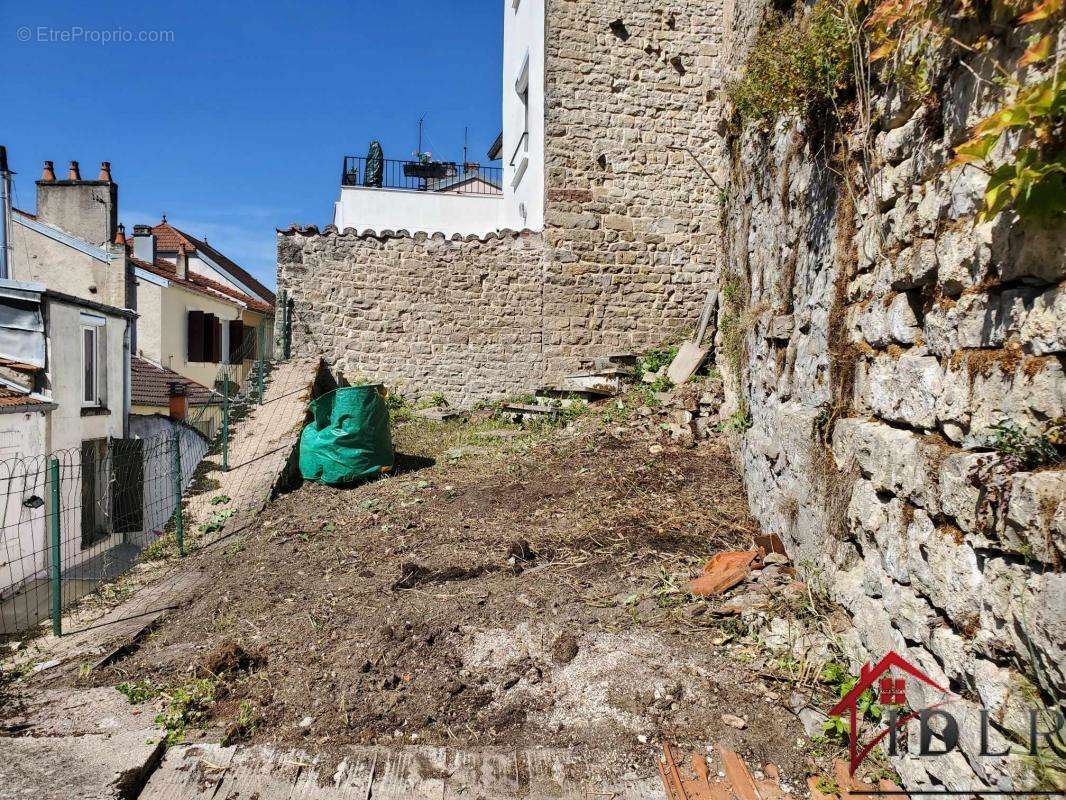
(199, 772)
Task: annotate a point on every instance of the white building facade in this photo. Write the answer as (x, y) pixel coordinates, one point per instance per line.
(470, 198)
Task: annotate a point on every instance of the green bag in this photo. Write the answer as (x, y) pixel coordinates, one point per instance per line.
(348, 440)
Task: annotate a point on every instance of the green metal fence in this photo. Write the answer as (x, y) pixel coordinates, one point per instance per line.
(72, 521)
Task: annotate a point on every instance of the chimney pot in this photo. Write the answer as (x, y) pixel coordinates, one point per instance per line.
(120, 235)
(75, 172)
(48, 173)
(179, 401)
(105, 171)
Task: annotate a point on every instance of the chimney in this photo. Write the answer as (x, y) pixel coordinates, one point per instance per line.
(181, 263)
(179, 400)
(120, 236)
(144, 243)
(82, 208)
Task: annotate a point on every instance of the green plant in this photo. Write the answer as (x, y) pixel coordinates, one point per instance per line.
(1019, 449)
(739, 421)
(1032, 180)
(138, 692)
(217, 520)
(185, 705)
(654, 360)
(836, 676)
(219, 499)
(795, 64)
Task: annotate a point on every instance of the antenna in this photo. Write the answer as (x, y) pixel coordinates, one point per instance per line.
(466, 132)
(421, 120)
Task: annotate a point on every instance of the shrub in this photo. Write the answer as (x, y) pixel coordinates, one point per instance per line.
(795, 64)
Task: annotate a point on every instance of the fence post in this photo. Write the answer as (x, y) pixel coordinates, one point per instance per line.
(262, 354)
(57, 576)
(225, 420)
(283, 297)
(179, 521)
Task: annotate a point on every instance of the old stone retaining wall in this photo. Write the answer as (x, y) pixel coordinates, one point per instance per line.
(881, 336)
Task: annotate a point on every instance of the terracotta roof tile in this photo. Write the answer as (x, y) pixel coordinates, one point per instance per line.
(150, 385)
(198, 283)
(13, 397)
(170, 239)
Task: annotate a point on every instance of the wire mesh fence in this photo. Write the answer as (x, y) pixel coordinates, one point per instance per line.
(74, 520)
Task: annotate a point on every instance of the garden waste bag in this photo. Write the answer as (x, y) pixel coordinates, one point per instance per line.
(348, 440)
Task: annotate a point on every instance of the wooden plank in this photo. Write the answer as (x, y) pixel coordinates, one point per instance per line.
(199, 772)
(740, 779)
(189, 772)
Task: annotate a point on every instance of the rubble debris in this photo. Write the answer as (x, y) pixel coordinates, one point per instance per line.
(733, 782)
(725, 570)
(771, 544)
(733, 721)
(436, 413)
(519, 554)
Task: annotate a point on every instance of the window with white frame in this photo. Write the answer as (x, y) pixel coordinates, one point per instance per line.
(520, 157)
(92, 341)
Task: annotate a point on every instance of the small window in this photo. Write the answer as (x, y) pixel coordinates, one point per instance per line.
(92, 328)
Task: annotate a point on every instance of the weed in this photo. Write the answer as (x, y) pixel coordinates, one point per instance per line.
(654, 360)
(795, 64)
(739, 421)
(217, 521)
(247, 720)
(1022, 450)
(185, 705)
(219, 499)
(139, 692)
(836, 676)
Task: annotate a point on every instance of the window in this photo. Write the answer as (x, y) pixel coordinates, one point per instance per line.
(204, 338)
(520, 157)
(92, 329)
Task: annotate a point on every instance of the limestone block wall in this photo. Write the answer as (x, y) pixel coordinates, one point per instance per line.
(883, 333)
(422, 314)
(631, 213)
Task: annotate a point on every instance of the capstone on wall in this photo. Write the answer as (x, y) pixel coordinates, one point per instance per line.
(882, 337)
(630, 243)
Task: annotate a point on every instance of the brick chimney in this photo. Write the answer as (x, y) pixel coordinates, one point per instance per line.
(86, 209)
(179, 400)
(144, 243)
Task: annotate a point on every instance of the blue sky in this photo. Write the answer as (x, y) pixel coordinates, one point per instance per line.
(238, 124)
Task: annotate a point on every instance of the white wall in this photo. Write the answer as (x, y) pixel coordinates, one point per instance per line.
(23, 554)
(69, 427)
(523, 36)
(402, 209)
(159, 498)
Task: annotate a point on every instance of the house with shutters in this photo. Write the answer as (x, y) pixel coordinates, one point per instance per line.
(200, 314)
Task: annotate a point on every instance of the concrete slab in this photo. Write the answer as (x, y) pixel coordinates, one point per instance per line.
(112, 766)
(77, 712)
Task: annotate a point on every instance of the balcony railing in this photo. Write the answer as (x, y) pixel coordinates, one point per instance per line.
(436, 176)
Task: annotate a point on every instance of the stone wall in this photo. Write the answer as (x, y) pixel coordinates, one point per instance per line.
(420, 313)
(881, 334)
(629, 249)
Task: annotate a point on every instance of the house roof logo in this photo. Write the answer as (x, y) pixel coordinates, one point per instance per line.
(891, 691)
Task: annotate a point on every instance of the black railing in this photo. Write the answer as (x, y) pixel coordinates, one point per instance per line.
(434, 176)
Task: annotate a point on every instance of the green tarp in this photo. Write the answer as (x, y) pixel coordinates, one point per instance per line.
(348, 440)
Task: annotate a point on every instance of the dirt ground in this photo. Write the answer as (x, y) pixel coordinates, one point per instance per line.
(504, 588)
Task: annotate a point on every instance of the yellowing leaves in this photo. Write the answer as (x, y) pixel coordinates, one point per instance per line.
(1037, 52)
(1044, 10)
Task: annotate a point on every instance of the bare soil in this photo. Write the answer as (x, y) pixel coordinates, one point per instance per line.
(503, 589)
